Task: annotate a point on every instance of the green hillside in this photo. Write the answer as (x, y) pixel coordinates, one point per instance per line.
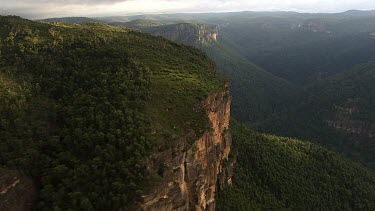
(298, 47)
(276, 173)
(256, 93)
(138, 24)
(73, 20)
(316, 60)
(83, 106)
(302, 50)
(280, 105)
(336, 112)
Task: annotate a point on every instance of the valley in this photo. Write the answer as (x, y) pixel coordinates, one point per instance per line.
(211, 111)
(273, 61)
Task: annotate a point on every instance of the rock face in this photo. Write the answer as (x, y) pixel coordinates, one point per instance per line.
(345, 119)
(316, 26)
(194, 173)
(188, 33)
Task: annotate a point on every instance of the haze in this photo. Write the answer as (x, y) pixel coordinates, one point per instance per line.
(59, 8)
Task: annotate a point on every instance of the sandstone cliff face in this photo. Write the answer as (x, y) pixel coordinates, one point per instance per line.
(194, 173)
(188, 33)
(344, 119)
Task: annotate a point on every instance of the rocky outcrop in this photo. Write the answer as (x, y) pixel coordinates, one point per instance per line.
(192, 174)
(345, 119)
(314, 25)
(361, 128)
(188, 33)
(207, 34)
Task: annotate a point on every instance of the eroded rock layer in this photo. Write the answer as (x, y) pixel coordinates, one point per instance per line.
(189, 33)
(193, 173)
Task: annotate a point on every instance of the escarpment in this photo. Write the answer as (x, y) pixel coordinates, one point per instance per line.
(97, 116)
(345, 119)
(192, 172)
(188, 33)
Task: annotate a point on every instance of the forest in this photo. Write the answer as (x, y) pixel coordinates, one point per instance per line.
(84, 105)
(280, 173)
(303, 75)
(307, 76)
(85, 102)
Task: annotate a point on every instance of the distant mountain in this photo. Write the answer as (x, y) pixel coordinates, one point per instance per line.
(219, 17)
(302, 50)
(73, 20)
(138, 24)
(294, 52)
(248, 81)
(298, 47)
(358, 13)
(308, 62)
(154, 17)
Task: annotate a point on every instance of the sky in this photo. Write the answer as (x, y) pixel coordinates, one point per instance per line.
(35, 9)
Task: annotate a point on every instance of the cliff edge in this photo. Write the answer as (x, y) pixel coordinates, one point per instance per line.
(192, 174)
(187, 33)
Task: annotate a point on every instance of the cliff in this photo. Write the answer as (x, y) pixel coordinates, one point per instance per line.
(187, 33)
(135, 103)
(192, 174)
(346, 118)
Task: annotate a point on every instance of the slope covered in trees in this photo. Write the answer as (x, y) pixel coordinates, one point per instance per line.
(282, 173)
(290, 50)
(139, 24)
(73, 20)
(298, 92)
(299, 87)
(336, 112)
(83, 105)
(300, 48)
(257, 94)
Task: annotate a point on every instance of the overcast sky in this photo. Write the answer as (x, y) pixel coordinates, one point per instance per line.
(59, 8)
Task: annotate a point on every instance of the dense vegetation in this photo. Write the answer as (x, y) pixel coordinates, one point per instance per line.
(317, 60)
(72, 20)
(308, 76)
(298, 47)
(83, 105)
(333, 94)
(283, 173)
(302, 85)
(13, 198)
(313, 81)
(139, 24)
(336, 112)
(256, 93)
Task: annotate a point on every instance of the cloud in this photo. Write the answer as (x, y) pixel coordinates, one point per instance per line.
(59, 8)
(62, 2)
